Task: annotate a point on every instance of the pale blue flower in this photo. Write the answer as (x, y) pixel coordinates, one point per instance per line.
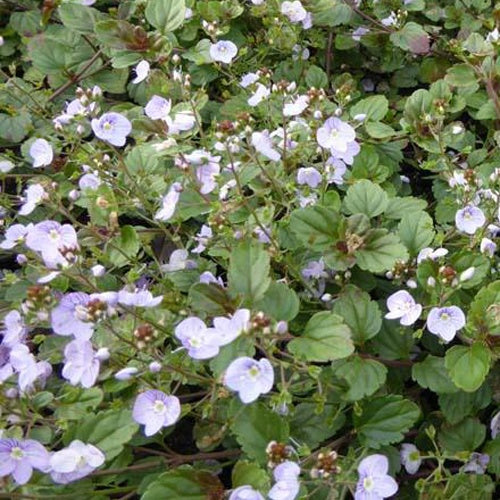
(477, 463)
(309, 176)
(42, 153)
(410, 458)
(201, 342)
(294, 11)
(445, 321)
(126, 373)
(359, 32)
(81, 365)
(469, 219)
(223, 51)
(19, 457)
(155, 409)
(158, 108)
(402, 306)
(495, 425)
(297, 106)
(138, 298)
(264, 145)
(112, 127)
(15, 235)
(248, 79)
(179, 260)
(169, 203)
(202, 238)
(249, 378)
(261, 93)
(141, 72)
(33, 196)
(14, 330)
(74, 462)
(335, 170)
(374, 483)
(488, 247)
(287, 485)
(245, 493)
(228, 329)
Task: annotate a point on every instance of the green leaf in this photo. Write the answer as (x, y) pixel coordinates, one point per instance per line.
(75, 403)
(374, 107)
(79, 18)
(364, 376)
(280, 302)
(470, 486)
(316, 77)
(15, 128)
(465, 436)
(108, 430)
(411, 38)
(250, 473)
(379, 130)
(242, 346)
(431, 374)
(380, 251)
(416, 231)
(484, 312)
(393, 341)
(461, 75)
(365, 197)
(165, 15)
(315, 226)
(249, 271)
(183, 482)
(468, 365)
(255, 427)
(384, 420)
(311, 427)
(123, 248)
(399, 207)
(325, 338)
(457, 406)
(209, 298)
(361, 314)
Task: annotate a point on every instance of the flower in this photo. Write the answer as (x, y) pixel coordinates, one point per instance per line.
(315, 269)
(359, 32)
(112, 127)
(297, 106)
(20, 457)
(287, 485)
(264, 145)
(410, 457)
(169, 202)
(228, 329)
(6, 166)
(477, 463)
(200, 341)
(429, 253)
(245, 493)
(309, 176)
(487, 246)
(335, 135)
(294, 11)
(139, 298)
(374, 483)
(15, 235)
(74, 462)
(249, 378)
(445, 321)
(41, 152)
(207, 169)
(402, 305)
(50, 238)
(126, 373)
(14, 331)
(469, 219)
(70, 316)
(141, 71)
(202, 238)
(248, 79)
(33, 195)
(27, 368)
(81, 365)
(495, 425)
(89, 181)
(158, 108)
(335, 170)
(259, 95)
(178, 261)
(155, 410)
(223, 51)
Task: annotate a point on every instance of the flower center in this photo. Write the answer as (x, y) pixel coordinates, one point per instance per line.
(81, 313)
(107, 126)
(253, 372)
(444, 316)
(159, 407)
(16, 453)
(368, 484)
(54, 235)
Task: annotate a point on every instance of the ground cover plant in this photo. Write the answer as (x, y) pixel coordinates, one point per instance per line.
(249, 249)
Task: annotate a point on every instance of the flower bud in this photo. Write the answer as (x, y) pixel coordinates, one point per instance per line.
(467, 274)
(102, 354)
(154, 367)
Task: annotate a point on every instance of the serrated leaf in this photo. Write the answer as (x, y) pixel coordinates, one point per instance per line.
(256, 427)
(365, 197)
(412, 38)
(364, 376)
(431, 374)
(248, 274)
(465, 436)
(384, 420)
(484, 312)
(374, 107)
(165, 15)
(361, 314)
(80, 18)
(249, 473)
(399, 207)
(468, 365)
(280, 302)
(416, 231)
(380, 251)
(379, 130)
(315, 226)
(123, 248)
(461, 404)
(325, 338)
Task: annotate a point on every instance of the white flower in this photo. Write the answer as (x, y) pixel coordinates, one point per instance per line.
(223, 51)
(33, 195)
(259, 95)
(402, 305)
(141, 71)
(6, 166)
(264, 145)
(488, 247)
(410, 458)
(41, 152)
(469, 219)
(297, 106)
(294, 11)
(309, 176)
(169, 203)
(429, 253)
